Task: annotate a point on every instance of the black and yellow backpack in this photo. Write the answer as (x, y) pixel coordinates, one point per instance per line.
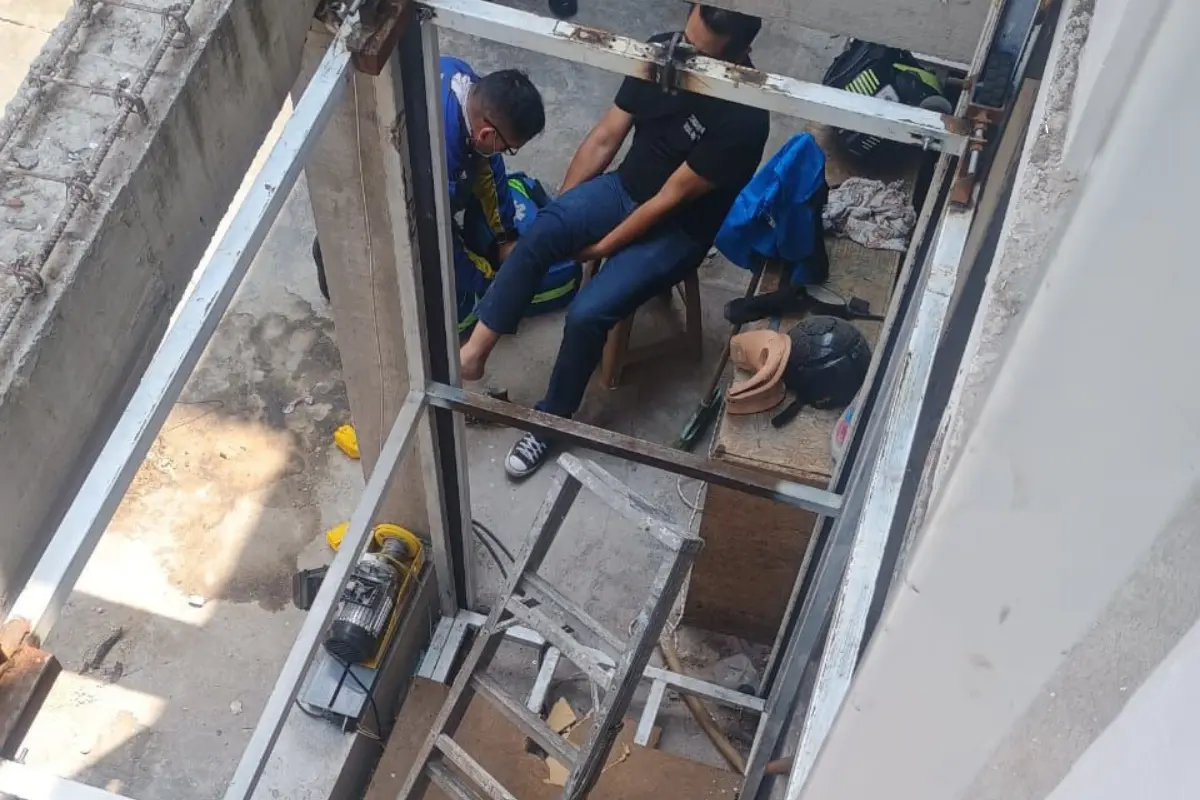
(889, 73)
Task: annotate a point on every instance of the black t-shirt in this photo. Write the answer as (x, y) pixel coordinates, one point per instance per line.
(722, 141)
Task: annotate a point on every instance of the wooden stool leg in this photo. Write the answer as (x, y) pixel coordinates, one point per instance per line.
(612, 363)
(693, 325)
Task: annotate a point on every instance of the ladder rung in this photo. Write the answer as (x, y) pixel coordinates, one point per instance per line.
(572, 650)
(472, 769)
(552, 600)
(445, 779)
(529, 723)
(627, 503)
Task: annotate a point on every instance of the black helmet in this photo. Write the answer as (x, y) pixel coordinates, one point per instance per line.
(828, 362)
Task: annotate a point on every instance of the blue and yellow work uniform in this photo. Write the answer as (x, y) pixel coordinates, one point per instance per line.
(478, 186)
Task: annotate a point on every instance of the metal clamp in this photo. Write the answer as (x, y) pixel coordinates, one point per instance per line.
(678, 51)
(381, 24)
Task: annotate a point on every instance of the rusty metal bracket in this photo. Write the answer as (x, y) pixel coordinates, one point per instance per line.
(381, 24)
(27, 674)
(675, 54)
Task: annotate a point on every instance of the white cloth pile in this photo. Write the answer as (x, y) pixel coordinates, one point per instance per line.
(873, 213)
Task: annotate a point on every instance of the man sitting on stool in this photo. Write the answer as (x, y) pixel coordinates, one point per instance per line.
(653, 219)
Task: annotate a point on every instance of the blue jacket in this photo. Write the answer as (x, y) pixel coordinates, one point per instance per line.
(472, 176)
(778, 215)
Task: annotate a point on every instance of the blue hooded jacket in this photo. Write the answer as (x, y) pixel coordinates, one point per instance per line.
(778, 215)
(472, 176)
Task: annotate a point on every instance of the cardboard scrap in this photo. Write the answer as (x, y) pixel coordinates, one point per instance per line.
(565, 722)
(562, 719)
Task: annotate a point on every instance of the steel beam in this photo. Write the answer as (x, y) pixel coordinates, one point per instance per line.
(708, 76)
(94, 505)
(20, 782)
(677, 462)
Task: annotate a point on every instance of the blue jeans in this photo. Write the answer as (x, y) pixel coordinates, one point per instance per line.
(629, 278)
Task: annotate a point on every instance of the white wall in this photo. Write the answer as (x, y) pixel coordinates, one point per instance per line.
(1120, 33)
(1057, 565)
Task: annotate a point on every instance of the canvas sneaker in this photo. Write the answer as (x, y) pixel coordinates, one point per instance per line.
(526, 456)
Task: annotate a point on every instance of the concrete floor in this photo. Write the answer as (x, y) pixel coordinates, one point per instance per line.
(244, 479)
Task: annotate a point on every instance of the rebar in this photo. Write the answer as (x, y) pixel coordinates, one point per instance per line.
(128, 97)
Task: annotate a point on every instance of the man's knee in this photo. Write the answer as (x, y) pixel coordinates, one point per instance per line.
(587, 319)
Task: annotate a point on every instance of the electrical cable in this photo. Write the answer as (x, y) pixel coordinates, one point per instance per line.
(378, 734)
(496, 540)
(491, 542)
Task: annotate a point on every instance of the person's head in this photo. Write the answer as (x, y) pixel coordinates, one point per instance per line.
(719, 33)
(505, 111)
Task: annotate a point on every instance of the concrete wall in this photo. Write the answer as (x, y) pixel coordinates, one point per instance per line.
(1056, 570)
(74, 353)
(1119, 33)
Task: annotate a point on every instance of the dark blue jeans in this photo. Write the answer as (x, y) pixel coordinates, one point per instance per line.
(629, 278)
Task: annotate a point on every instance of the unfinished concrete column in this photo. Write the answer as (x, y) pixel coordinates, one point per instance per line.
(351, 200)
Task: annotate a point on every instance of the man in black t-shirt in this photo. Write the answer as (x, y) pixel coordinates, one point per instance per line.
(653, 219)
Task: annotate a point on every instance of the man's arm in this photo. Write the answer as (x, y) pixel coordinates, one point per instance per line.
(599, 147)
(684, 185)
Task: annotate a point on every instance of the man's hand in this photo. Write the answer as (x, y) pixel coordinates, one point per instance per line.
(504, 251)
(593, 252)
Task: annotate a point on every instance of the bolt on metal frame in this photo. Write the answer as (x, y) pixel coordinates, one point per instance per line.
(433, 414)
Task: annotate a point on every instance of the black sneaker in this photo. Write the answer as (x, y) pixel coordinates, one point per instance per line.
(526, 456)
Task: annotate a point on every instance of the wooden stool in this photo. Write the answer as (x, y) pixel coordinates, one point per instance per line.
(618, 354)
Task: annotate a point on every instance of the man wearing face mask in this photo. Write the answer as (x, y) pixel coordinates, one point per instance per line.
(652, 219)
(485, 119)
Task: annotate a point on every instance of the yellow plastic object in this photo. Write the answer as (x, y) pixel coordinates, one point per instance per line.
(347, 441)
(335, 534)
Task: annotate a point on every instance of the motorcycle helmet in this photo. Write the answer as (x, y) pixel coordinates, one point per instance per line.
(828, 362)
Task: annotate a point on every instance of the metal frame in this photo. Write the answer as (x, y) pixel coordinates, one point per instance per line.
(433, 412)
(625, 56)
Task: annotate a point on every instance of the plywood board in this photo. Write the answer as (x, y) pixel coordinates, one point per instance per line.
(801, 450)
(500, 748)
(947, 28)
(753, 549)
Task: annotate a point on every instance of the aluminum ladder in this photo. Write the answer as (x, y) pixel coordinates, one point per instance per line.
(528, 599)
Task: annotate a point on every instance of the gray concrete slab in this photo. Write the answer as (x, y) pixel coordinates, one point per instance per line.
(237, 493)
(73, 352)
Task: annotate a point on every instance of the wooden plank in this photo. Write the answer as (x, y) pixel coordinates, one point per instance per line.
(753, 550)
(935, 27)
(499, 748)
(801, 450)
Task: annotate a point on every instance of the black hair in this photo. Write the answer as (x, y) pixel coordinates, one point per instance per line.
(739, 28)
(510, 98)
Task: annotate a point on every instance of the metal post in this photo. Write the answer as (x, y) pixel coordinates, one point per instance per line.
(420, 85)
(849, 621)
(393, 118)
(109, 478)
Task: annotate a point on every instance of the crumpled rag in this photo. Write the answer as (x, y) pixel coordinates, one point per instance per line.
(872, 213)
